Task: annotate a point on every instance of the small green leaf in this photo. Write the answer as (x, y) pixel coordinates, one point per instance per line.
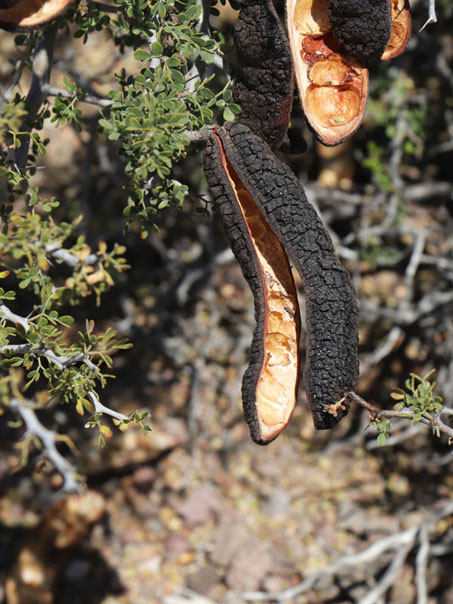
(142, 55)
(381, 439)
(66, 320)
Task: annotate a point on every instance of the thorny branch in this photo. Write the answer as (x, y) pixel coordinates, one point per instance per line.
(432, 18)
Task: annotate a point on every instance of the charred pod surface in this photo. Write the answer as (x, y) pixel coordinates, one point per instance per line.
(265, 76)
(362, 27)
(28, 14)
(333, 86)
(331, 366)
(270, 383)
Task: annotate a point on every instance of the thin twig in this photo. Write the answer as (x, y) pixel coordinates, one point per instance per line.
(7, 95)
(388, 578)
(55, 250)
(85, 98)
(8, 315)
(434, 422)
(102, 409)
(345, 562)
(421, 563)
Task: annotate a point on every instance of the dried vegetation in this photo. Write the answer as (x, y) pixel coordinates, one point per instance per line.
(196, 514)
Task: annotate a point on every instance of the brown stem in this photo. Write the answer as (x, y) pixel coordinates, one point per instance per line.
(434, 421)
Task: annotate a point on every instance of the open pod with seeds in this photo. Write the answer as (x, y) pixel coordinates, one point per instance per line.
(265, 214)
(270, 384)
(264, 78)
(16, 15)
(333, 86)
(401, 29)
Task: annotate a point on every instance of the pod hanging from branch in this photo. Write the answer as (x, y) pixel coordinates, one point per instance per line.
(269, 386)
(264, 79)
(331, 366)
(362, 27)
(365, 29)
(333, 86)
(17, 15)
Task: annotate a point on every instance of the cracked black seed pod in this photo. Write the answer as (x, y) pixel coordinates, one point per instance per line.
(362, 27)
(264, 78)
(242, 171)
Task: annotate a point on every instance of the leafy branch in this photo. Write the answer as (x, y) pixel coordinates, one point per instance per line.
(417, 403)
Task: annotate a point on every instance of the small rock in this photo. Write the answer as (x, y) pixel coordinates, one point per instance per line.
(232, 534)
(203, 579)
(144, 477)
(199, 505)
(177, 544)
(249, 567)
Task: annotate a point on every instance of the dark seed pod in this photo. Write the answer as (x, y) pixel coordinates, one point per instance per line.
(269, 386)
(331, 367)
(22, 15)
(264, 83)
(362, 27)
(8, 3)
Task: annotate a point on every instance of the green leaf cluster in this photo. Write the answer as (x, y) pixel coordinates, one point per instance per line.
(418, 399)
(40, 354)
(418, 396)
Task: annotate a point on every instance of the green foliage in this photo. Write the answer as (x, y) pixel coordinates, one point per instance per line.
(376, 161)
(394, 106)
(141, 419)
(168, 95)
(65, 110)
(384, 427)
(45, 261)
(416, 402)
(153, 111)
(37, 351)
(375, 253)
(419, 397)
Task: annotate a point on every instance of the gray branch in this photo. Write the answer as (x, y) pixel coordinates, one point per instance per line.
(102, 409)
(55, 250)
(401, 542)
(8, 315)
(42, 65)
(84, 98)
(48, 438)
